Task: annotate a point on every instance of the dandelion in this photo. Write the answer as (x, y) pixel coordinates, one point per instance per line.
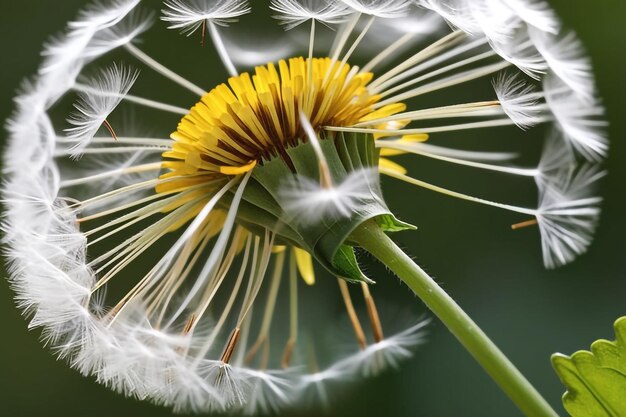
(171, 267)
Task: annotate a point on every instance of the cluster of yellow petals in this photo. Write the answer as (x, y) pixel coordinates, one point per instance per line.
(255, 118)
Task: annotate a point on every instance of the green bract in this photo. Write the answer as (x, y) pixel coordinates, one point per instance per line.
(324, 239)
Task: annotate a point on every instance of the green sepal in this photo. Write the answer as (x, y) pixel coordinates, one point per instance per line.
(325, 239)
(596, 379)
(347, 267)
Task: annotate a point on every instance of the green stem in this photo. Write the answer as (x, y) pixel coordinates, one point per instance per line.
(371, 238)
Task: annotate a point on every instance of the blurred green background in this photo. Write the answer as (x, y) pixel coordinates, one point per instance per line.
(495, 274)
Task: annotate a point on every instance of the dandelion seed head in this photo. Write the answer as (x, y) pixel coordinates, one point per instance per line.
(170, 267)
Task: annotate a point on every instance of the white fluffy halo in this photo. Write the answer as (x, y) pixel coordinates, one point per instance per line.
(208, 289)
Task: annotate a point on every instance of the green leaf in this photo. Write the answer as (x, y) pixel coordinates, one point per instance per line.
(596, 380)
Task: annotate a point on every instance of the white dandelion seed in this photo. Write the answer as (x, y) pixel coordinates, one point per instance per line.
(189, 16)
(121, 34)
(498, 20)
(68, 50)
(387, 354)
(373, 360)
(567, 60)
(518, 100)
(454, 12)
(568, 213)
(230, 383)
(580, 120)
(536, 13)
(97, 100)
(314, 387)
(269, 391)
(555, 155)
(493, 19)
(292, 13)
(64, 51)
(306, 201)
(520, 51)
(32, 129)
(99, 30)
(101, 15)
